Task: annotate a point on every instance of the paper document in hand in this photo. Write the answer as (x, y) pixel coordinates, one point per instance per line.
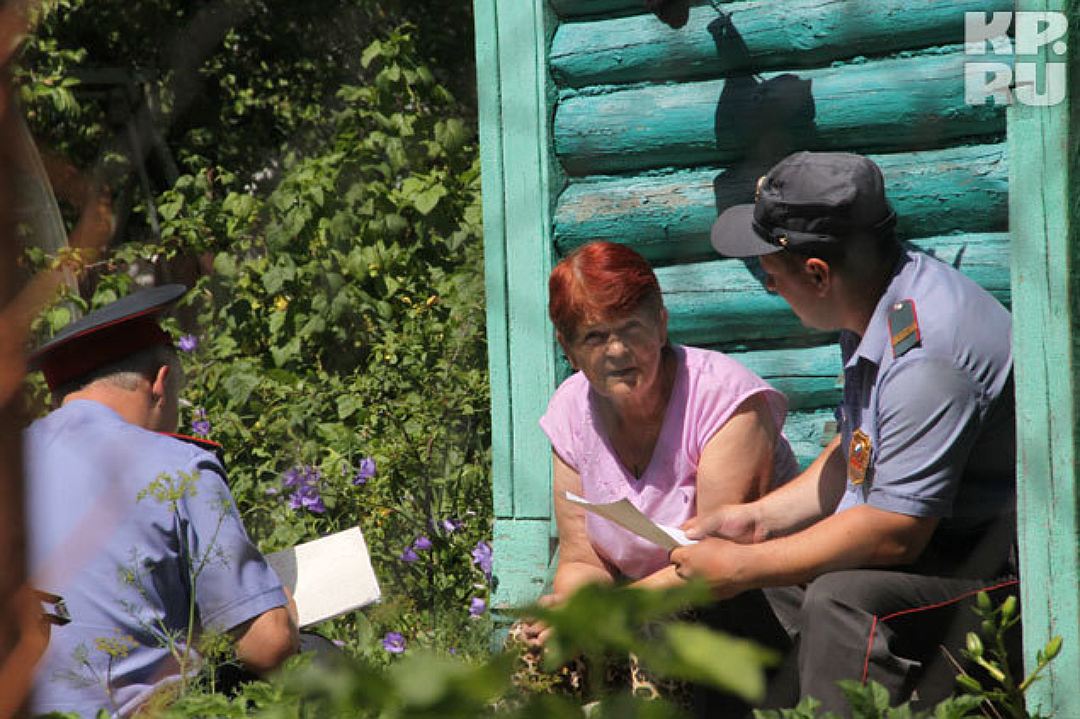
(630, 518)
(328, 576)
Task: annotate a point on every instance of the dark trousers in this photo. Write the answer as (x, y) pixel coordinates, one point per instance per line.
(898, 627)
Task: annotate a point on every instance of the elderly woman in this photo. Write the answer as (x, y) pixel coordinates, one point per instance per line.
(676, 430)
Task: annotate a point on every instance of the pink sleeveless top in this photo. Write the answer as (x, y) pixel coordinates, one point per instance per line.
(709, 387)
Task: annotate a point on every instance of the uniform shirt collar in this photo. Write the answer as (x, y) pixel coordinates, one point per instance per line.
(872, 345)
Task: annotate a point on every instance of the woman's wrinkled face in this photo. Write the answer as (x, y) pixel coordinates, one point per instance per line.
(620, 356)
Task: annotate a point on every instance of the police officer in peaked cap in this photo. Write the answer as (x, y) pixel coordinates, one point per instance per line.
(121, 559)
(868, 557)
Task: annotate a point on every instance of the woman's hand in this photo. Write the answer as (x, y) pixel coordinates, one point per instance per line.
(535, 632)
(736, 522)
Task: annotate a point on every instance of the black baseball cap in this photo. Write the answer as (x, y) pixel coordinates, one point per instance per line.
(808, 198)
(106, 335)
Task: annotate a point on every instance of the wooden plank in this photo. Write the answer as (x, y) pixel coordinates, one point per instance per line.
(721, 302)
(522, 40)
(489, 103)
(667, 217)
(878, 106)
(806, 431)
(754, 36)
(1045, 237)
(521, 559)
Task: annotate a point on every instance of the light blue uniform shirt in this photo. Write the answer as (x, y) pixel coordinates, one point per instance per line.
(940, 417)
(129, 568)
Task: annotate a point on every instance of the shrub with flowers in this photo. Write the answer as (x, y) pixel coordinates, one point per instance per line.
(336, 349)
(341, 358)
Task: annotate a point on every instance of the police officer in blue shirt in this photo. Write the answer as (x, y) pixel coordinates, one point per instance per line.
(136, 530)
(910, 511)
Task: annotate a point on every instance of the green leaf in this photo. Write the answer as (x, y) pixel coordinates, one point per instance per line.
(282, 355)
(347, 405)
(868, 701)
(734, 665)
(238, 387)
(225, 264)
(426, 201)
(371, 52)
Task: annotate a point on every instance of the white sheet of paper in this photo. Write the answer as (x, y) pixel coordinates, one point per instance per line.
(328, 576)
(631, 519)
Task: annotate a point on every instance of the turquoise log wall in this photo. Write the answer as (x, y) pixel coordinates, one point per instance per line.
(911, 102)
(721, 303)
(643, 132)
(667, 216)
(790, 34)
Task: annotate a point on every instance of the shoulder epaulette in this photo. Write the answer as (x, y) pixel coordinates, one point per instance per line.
(904, 327)
(209, 445)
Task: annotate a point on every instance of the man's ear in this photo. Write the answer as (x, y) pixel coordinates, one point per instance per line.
(160, 384)
(819, 274)
(663, 325)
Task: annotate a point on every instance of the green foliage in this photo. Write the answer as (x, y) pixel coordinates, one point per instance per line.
(590, 624)
(342, 328)
(483, 687)
(1005, 691)
(345, 323)
(238, 83)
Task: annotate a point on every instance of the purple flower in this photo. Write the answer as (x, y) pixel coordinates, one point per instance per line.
(313, 503)
(451, 525)
(481, 557)
(394, 643)
(338, 643)
(408, 555)
(188, 343)
(422, 544)
(365, 472)
(477, 607)
(305, 480)
(200, 426)
(453, 650)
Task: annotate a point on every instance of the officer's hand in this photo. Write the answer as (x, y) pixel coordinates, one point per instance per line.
(737, 522)
(717, 560)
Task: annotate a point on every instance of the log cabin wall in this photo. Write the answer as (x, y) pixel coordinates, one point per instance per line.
(645, 128)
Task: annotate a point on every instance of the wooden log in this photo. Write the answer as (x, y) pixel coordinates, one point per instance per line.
(722, 303)
(667, 217)
(585, 8)
(808, 433)
(878, 106)
(754, 36)
(808, 376)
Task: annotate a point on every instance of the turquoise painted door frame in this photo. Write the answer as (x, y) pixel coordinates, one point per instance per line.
(511, 42)
(1043, 224)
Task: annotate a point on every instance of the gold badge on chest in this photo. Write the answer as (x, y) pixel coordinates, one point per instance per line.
(859, 451)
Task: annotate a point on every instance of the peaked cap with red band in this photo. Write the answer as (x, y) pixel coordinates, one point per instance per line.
(106, 335)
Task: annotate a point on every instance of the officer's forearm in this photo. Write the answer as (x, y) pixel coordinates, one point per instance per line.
(808, 498)
(856, 538)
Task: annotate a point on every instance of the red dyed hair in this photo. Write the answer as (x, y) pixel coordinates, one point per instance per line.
(599, 281)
